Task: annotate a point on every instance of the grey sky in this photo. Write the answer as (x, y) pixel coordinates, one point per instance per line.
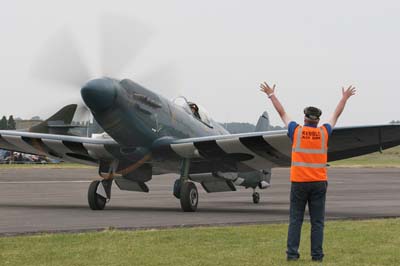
(217, 53)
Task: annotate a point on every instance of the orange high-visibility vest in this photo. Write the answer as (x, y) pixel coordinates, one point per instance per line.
(309, 154)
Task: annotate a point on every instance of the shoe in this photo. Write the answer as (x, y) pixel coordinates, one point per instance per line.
(292, 259)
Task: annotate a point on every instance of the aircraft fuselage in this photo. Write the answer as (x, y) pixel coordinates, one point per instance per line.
(135, 116)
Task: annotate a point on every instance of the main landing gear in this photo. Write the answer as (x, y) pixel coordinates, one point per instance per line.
(99, 193)
(185, 190)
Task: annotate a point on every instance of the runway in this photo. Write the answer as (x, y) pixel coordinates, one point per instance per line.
(54, 200)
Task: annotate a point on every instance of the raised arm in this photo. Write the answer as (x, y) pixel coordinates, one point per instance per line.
(277, 104)
(346, 94)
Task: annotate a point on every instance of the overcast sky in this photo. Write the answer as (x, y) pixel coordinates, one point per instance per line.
(217, 52)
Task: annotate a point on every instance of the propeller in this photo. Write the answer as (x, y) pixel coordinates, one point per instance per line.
(121, 41)
(61, 62)
(163, 80)
(82, 114)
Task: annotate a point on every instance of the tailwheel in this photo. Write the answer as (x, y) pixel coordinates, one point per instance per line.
(256, 197)
(96, 201)
(189, 197)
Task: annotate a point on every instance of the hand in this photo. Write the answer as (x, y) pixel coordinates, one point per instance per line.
(350, 91)
(267, 89)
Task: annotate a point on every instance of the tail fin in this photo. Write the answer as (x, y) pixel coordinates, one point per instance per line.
(263, 123)
(59, 123)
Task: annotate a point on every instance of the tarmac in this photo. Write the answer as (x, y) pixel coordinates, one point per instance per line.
(55, 200)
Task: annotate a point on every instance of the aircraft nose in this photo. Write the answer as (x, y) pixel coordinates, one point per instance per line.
(99, 94)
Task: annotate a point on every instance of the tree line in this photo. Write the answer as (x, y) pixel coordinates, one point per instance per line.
(7, 123)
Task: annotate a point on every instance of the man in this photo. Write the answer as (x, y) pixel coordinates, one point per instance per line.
(195, 110)
(308, 174)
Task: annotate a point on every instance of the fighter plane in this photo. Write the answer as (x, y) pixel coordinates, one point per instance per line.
(148, 135)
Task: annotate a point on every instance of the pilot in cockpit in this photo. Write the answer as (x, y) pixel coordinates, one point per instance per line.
(195, 110)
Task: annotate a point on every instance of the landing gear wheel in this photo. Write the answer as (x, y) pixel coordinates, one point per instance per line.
(189, 197)
(256, 197)
(96, 202)
(177, 188)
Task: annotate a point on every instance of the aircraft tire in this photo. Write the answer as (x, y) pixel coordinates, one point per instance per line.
(96, 202)
(177, 189)
(189, 197)
(256, 197)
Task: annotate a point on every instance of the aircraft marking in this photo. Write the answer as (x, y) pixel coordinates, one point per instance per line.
(235, 146)
(4, 143)
(20, 144)
(210, 149)
(260, 146)
(40, 146)
(97, 151)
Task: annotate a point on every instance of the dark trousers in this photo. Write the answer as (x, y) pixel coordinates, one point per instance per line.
(313, 194)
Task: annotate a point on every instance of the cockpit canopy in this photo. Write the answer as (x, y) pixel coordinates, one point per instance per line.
(198, 111)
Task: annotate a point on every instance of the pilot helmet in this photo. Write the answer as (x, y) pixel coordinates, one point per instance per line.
(194, 106)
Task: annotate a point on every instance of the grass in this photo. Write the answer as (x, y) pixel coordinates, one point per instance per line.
(389, 158)
(374, 242)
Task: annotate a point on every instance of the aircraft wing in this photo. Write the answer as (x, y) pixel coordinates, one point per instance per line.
(347, 142)
(266, 150)
(228, 153)
(68, 148)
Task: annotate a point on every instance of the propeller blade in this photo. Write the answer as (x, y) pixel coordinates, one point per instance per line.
(82, 114)
(60, 61)
(121, 40)
(162, 80)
